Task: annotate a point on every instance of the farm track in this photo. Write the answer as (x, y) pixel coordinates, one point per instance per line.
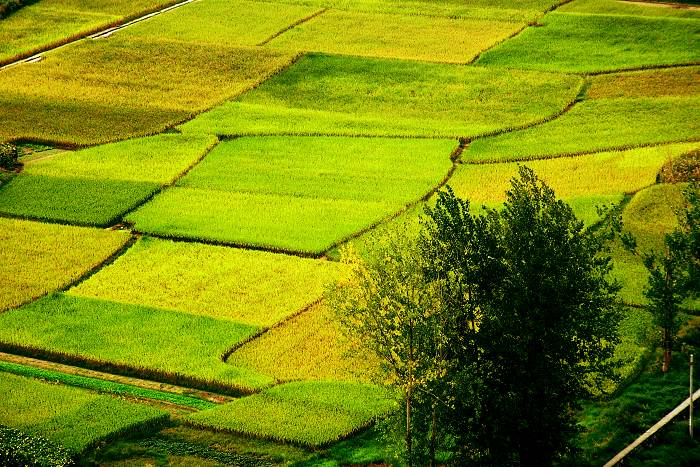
(292, 26)
(35, 54)
(131, 381)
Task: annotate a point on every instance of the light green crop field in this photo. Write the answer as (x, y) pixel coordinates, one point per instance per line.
(607, 43)
(359, 96)
(38, 258)
(249, 287)
(597, 125)
(163, 80)
(220, 22)
(409, 37)
(73, 418)
(296, 193)
(307, 347)
(311, 413)
(51, 22)
(522, 10)
(278, 223)
(98, 185)
(617, 7)
(156, 343)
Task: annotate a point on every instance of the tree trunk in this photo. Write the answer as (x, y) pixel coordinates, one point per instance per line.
(667, 352)
(409, 435)
(433, 437)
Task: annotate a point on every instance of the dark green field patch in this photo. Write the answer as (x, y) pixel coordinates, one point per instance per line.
(588, 43)
(75, 200)
(368, 97)
(152, 343)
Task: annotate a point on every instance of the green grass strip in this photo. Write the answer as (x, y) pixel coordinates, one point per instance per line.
(101, 385)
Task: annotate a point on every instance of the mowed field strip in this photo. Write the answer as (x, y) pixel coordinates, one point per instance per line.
(235, 145)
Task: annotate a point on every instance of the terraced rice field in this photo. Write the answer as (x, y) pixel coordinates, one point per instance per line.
(220, 153)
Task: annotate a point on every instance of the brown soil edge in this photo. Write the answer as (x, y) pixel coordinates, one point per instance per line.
(159, 376)
(298, 22)
(136, 382)
(82, 35)
(652, 3)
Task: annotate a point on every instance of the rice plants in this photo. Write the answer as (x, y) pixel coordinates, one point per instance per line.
(409, 37)
(523, 10)
(70, 417)
(161, 80)
(615, 7)
(678, 82)
(38, 258)
(96, 186)
(312, 413)
(51, 22)
(296, 194)
(307, 347)
(152, 343)
(249, 287)
(360, 96)
(607, 42)
(220, 22)
(597, 125)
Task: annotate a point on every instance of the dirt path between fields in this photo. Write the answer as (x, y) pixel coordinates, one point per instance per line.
(137, 382)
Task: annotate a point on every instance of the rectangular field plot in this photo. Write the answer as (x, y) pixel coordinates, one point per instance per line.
(408, 37)
(72, 418)
(505, 10)
(152, 343)
(220, 22)
(307, 347)
(626, 8)
(669, 82)
(584, 181)
(50, 22)
(161, 81)
(249, 287)
(597, 125)
(307, 413)
(360, 96)
(96, 186)
(588, 43)
(296, 193)
(38, 258)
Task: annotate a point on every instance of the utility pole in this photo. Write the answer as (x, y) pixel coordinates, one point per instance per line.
(690, 418)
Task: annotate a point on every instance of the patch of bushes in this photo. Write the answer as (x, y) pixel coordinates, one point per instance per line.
(685, 168)
(17, 448)
(9, 153)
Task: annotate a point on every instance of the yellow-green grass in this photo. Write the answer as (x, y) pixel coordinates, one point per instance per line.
(161, 81)
(278, 223)
(249, 287)
(151, 343)
(408, 37)
(70, 417)
(62, 120)
(650, 214)
(573, 42)
(521, 10)
(618, 7)
(52, 22)
(585, 182)
(38, 258)
(680, 82)
(296, 193)
(313, 413)
(96, 186)
(307, 347)
(220, 22)
(360, 96)
(597, 125)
